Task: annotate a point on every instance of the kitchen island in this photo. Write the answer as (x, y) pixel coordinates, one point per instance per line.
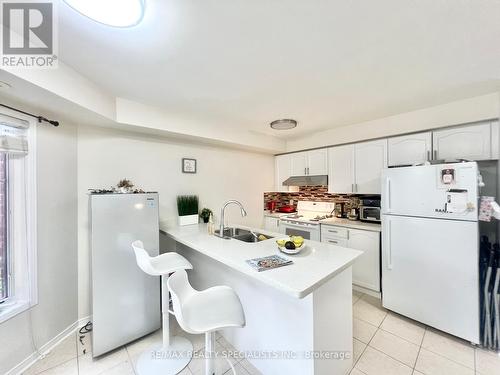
(299, 317)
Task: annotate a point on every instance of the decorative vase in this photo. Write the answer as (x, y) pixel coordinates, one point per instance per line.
(188, 220)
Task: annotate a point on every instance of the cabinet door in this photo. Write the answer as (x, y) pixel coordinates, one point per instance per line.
(495, 140)
(341, 169)
(410, 149)
(299, 163)
(471, 142)
(370, 158)
(272, 224)
(282, 171)
(317, 162)
(366, 269)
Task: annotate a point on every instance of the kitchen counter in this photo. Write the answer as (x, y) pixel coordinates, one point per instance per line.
(291, 312)
(317, 264)
(276, 214)
(374, 227)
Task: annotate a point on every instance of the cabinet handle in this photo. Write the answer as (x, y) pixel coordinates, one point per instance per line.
(352, 188)
(428, 156)
(308, 171)
(435, 154)
(305, 171)
(333, 241)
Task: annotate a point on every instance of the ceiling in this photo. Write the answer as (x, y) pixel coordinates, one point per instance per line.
(242, 64)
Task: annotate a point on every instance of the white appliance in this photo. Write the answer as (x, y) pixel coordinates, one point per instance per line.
(306, 221)
(430, 246)
(125, 300)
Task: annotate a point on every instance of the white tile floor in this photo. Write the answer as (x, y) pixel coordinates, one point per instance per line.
(384, 344)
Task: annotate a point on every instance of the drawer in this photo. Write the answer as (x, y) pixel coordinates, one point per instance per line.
(334, 241)
(340, 232)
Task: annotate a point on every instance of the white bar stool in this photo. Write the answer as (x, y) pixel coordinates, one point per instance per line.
(174, 353)
(205, 311)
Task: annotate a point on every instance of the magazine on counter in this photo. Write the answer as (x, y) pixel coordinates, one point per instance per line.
(268, 263)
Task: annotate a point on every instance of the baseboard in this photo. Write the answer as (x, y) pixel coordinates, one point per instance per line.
(44, 349)
(367, 291)
(82, 321)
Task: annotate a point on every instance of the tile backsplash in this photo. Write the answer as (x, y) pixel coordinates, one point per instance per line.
(310, 193)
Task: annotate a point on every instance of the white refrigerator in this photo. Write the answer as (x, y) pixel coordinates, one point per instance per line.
(430, 246)
(125, 300)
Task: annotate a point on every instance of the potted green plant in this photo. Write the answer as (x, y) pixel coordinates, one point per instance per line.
(205, 214)
(187, 207)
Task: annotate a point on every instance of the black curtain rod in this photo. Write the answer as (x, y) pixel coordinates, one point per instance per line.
(39, 118)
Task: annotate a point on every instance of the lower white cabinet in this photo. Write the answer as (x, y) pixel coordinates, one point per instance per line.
(272, 224)
(366, 269)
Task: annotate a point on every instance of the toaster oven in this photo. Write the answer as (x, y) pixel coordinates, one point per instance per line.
(369, 213)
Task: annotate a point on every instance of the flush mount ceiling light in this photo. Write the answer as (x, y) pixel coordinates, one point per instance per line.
(284, 124)
(117, 13)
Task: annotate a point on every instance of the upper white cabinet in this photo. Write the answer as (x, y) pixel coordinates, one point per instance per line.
(317, 162)
(495, 140)
(282, 170)
(471, 142)
(341, 169)
(370, 158)
(410, 149)
(299, 163)
(310, 163)
(357, 168)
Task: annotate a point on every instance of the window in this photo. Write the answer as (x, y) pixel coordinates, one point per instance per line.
(18, 290)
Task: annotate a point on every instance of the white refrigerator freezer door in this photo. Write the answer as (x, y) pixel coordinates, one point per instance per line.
(430, 272)
(420, 191)
(125, 300)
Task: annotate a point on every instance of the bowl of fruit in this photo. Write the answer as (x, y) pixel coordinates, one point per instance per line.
(291, 245)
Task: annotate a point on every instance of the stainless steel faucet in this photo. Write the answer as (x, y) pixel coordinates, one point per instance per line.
(222, 214)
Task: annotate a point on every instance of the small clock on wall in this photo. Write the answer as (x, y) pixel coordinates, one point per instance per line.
(188, 165)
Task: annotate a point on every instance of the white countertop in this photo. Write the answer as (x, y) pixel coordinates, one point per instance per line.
(315, 265)
(374, 227)
(356, 224)
(276, 214)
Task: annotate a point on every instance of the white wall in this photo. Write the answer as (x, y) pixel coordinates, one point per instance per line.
(105, 156)
(459, 112)
(57, 249)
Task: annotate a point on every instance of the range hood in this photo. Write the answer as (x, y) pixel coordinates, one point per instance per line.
(306, 181)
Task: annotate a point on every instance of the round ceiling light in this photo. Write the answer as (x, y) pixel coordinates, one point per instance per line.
(117, 13)
(284, 124)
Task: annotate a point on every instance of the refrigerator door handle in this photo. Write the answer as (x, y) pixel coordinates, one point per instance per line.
(388, 194)
(389, 247)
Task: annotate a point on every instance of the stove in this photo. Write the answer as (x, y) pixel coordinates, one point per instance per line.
(306, 221)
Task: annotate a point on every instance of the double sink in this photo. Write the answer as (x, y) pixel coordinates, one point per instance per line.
(241, 234)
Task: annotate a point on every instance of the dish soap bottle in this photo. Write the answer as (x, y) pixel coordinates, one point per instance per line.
(210, 226)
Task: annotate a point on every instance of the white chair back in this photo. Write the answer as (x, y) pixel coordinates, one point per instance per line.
(143, 259)
(180, 290)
